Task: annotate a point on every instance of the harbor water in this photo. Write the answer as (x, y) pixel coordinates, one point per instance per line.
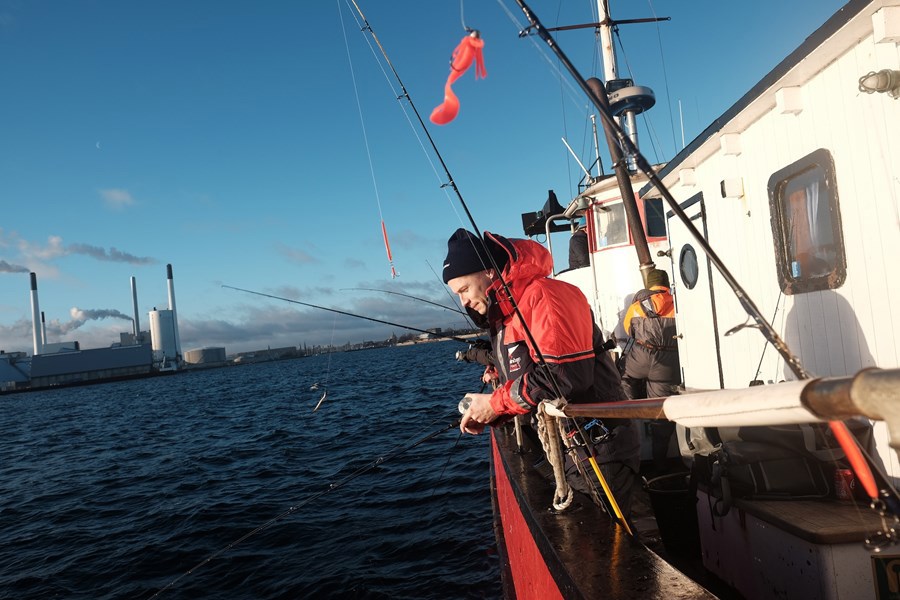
(118, 490)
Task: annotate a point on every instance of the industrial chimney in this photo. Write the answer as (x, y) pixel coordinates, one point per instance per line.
(137, 323)
(171, 285)
(36, 317)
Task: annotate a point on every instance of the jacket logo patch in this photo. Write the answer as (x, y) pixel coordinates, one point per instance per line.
(515, 360)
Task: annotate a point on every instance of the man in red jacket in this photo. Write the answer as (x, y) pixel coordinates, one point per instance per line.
(560, 320)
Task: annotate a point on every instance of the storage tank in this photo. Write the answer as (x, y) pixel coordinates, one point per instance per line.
(205, 356)
(162, 334)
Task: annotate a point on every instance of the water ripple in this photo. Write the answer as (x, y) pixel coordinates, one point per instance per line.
(115, 490)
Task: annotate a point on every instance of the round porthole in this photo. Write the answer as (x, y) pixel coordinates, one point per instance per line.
(687, 265)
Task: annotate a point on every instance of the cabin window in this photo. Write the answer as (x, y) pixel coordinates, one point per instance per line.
(688, 266)
(806, 225)
(655, 217)
(612, 228)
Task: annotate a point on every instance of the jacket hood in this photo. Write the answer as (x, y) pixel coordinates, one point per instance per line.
(528, 261)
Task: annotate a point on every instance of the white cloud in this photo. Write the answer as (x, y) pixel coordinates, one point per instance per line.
(116, 198)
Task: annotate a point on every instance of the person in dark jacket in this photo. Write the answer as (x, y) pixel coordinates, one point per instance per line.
(651, 367)
(560, 321)
(579, 250)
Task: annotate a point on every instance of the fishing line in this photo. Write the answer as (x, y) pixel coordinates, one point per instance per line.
(542, 362)
(403, 94)
(450, 308)
(349, 314)
(455, 309)
(453, 298)
(446, 464)
(450, 453)
(573, 94)
(462, 15)
(452, 184)
(766, 345)
(331, 487)
(328, 367)
(362, 123)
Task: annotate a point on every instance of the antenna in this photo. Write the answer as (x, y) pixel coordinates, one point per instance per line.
(580, 164)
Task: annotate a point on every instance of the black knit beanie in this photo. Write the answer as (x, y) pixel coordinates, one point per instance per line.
(466, 255)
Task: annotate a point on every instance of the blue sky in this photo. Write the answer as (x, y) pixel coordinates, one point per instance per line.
(259, 145)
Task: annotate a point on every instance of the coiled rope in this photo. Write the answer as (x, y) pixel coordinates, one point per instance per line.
(549, 433)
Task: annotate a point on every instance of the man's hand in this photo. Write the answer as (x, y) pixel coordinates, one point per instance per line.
(490, 374)
(478, 414)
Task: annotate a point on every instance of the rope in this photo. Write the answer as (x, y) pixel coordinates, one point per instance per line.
(547, 432)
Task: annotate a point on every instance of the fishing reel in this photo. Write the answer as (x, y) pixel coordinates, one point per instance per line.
(479, 351)
(594, 430)
(464, 404)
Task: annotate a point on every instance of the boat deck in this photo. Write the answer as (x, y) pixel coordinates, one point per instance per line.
(587, 554)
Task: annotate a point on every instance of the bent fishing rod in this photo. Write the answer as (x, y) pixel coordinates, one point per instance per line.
(542, 362)
(331, 487)
(349, 314)
(855, 454)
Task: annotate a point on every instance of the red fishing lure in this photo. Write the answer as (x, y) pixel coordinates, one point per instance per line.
(468, 50)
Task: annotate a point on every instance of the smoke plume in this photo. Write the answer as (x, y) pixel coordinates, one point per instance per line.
(81, 316)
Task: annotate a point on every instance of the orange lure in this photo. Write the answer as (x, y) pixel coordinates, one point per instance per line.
(468, 50)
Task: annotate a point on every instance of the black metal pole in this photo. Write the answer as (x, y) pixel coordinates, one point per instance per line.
(623, 178)
(625, 143)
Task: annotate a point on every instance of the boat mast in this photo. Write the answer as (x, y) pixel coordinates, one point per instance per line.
(604, 28)
(626, 99)
(622, 97)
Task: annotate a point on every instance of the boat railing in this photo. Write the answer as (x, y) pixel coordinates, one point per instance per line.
(872, 393)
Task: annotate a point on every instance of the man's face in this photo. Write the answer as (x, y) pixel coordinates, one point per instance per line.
(472, 290)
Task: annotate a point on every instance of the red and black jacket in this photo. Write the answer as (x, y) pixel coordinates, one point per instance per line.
(560, 320)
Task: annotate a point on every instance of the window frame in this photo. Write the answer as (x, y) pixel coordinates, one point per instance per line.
(778, 182)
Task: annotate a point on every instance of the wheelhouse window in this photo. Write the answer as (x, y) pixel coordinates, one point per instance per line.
(654, 217)
(612, 226)
(806, 225)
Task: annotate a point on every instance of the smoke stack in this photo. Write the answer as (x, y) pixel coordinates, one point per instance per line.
(43, 329)
(171, 285)
(36, 317)
(137, 323)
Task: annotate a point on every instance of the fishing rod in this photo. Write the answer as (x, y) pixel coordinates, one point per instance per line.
(349, 314)
(465, 315)
(644, 165)
(331, 487)
(450, 308)
(452, 184)
(867, 467)
(542, 362)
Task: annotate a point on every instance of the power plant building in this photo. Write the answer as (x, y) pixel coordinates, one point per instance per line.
(83, 366)
(66, 363)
